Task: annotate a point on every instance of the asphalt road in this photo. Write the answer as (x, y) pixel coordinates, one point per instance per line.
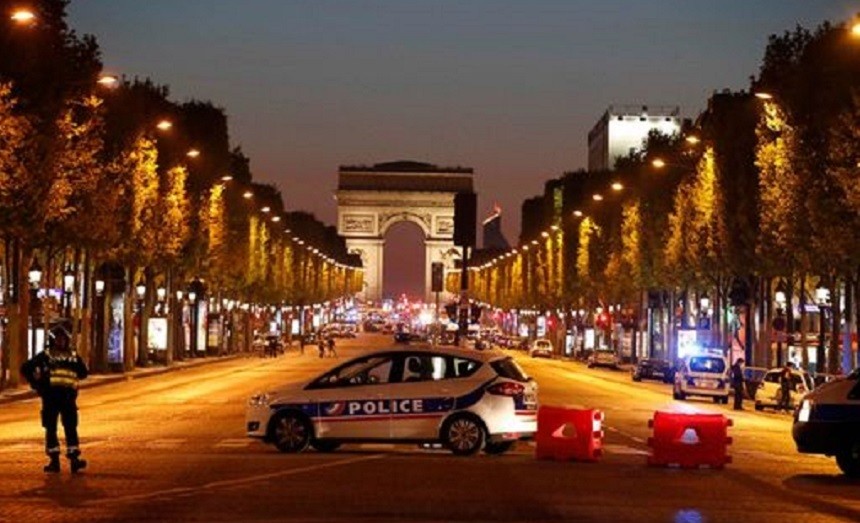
(172, 447)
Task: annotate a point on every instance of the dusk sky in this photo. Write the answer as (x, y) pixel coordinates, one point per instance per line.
(509, 88)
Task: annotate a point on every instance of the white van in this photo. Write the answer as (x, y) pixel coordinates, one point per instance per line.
(702, 375)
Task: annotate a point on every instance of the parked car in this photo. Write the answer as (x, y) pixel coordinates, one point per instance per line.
(828, 422)
(603, 358)
(468, 401)
(654, 369)
(541, 348)
(770, 390)
(753, 377)
(702, 375)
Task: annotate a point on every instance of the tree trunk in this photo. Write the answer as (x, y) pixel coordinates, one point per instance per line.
(144, 315)
(847, 335)
(833, 354)
(130, 339)
(767, 327)
(171, 315)
(804, 317)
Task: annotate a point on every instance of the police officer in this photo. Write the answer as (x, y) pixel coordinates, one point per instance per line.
(54, 374)
(737, 377)
(785, 387)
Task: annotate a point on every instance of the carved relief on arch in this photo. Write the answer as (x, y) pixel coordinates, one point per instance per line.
(387, 219)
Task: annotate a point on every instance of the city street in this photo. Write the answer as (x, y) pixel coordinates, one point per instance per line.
(172, 447)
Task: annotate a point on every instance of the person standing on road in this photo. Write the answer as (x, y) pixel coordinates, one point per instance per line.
(54, 374)
(737, 377)
(785, 387)
(321, 346)
(331, 351)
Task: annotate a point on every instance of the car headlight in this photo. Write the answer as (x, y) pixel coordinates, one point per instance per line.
(259, 399)
(805, 411)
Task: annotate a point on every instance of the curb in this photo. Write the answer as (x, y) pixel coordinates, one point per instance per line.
(117, 378)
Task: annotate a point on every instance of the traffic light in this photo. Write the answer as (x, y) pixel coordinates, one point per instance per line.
(437, 277)
(465, 218)
(476, 313)
(451, 310)
(740, 292)
(602, 321)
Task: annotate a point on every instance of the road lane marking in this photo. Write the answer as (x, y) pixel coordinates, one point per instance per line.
(233, 443)
(376, 446)
(165, 443)
(188, 491)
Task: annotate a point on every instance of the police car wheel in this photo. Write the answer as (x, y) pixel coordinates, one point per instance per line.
(849, 461)
(498, 448)
(291, 433)
(463, 435)
(325, 445)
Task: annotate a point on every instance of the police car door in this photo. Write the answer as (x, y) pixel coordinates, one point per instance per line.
(424, 395)
(354, 407)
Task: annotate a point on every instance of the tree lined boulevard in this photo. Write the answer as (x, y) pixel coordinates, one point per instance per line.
(172, 447)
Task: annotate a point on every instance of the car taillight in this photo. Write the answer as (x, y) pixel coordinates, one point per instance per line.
(506, 388)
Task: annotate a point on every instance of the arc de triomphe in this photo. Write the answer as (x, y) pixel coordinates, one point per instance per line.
(370, 199)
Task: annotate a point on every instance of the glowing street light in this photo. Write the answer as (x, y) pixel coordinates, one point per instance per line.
(108, 80)
(855, 29)
(692, 139)
(192, 153)
(164, 125)
(597, 197)
(617, 186)
(23, 16)
(763, 95)
(226, 178)
(658, 163)
(577, 213)
(247, 195)
(276, 219)
(266, 209)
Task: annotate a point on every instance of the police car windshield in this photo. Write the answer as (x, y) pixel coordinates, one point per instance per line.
(508, 368)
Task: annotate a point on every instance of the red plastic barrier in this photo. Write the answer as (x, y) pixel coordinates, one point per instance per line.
(689, 440)
(566, 434)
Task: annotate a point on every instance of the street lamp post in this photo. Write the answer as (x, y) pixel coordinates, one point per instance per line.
(68, 290)
(822, 297)
(34, 276)
(779, 322)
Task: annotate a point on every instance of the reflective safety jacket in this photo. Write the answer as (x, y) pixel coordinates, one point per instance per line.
(54, 371)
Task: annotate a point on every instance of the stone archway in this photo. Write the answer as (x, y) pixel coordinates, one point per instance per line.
(370, 199)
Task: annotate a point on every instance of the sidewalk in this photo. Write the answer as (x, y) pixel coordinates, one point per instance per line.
(96, 380)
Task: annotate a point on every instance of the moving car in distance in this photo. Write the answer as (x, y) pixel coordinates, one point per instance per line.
(654, 369)
(702, 375)
(828, 422)
(770, 391)
(541, 348)
(603, 358)
(466, 400)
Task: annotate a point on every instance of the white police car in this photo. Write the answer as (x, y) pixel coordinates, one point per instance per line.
(466, 400)
(702, 375)
(828, 422)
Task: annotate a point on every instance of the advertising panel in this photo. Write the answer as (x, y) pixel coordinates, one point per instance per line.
(157, 334)
(115, 330)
